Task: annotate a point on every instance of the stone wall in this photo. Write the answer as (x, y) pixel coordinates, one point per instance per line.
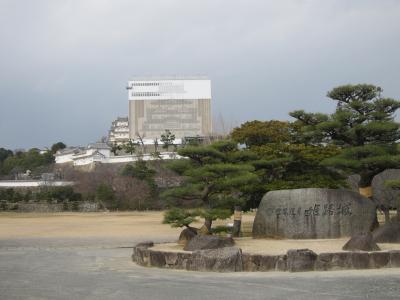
(234, 260)
(49, 207)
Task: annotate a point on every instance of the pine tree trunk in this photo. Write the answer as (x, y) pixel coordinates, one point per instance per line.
(208, 223)
(237, 221)
(387, 215)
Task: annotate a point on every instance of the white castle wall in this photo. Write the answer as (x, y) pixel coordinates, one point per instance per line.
(89, 159)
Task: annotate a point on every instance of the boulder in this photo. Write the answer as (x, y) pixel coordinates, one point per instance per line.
(387, 233)
(362, 242)
(353, 182)
(313, 213)
(228, 259)
(201, 242)
(300, 260)
(386, 197)
(186, 235)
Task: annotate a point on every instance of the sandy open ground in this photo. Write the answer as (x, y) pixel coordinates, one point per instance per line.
(141, 226)
(88, 225)
(88, 256)
(83, 225)
(277, 247)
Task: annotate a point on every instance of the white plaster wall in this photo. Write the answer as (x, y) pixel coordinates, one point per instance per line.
(105, 152)
(83, 160)
(64, 158)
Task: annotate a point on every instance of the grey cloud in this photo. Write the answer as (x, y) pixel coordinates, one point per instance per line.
(64, 64)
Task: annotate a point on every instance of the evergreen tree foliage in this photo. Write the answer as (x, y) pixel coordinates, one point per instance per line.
(258, 133)
(130, 146)
(289, 166)
(167, 138)
(216, 178)
(115, 148)
(284, 159)
(57, 146)
(22, 161)
(178, 217)
(363, 125)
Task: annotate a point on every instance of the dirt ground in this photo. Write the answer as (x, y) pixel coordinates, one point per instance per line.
(83, 225)
(277, 247)
(142, 225)
(107, 224)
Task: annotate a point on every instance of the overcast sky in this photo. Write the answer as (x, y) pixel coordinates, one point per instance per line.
(64, 65)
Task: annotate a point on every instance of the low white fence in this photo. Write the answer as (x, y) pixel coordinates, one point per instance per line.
(32, 183)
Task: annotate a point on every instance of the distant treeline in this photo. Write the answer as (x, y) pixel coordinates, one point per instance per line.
(13, 162)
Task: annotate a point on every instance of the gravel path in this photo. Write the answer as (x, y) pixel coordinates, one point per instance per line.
(98, 266)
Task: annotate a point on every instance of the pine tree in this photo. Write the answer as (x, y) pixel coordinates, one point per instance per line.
(216, 177)
(363, 125)
(130, 146)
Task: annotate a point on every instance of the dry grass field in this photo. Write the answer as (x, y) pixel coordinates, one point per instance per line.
(83, 225)
(141, 226)
(87, 225)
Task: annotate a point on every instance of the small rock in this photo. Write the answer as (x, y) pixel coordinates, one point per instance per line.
(388, 233)
(201, 242)
(301, 260)
(362, 242)
(186, 235)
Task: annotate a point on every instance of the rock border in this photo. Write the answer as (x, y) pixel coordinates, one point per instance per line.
(297, 260)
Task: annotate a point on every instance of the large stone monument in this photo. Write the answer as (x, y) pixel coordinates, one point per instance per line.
(313, 213)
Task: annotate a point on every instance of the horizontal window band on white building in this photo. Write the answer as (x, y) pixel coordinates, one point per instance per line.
(179, 104)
